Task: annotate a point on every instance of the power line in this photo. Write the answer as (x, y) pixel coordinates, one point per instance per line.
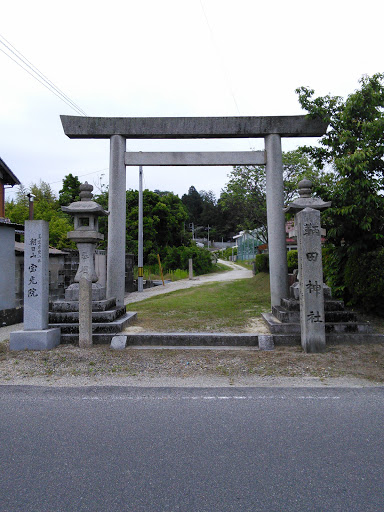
(224, 69)
(80, 175)
(24, 63)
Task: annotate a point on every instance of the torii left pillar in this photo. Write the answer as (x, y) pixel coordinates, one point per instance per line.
(278, 268)
(117, 220)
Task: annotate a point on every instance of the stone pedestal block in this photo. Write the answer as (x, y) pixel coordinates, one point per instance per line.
(34, 340)
(72, 292)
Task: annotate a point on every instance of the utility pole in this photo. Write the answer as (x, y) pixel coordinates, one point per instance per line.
(140, 271)
(31, 198)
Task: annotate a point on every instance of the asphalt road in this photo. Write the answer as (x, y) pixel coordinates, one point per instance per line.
(166, 449)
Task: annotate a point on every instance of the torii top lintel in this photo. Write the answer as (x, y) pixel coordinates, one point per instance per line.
(77, 127)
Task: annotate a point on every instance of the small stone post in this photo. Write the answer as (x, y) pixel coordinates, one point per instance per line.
(36, 335)
(190, 262)
(312, 318)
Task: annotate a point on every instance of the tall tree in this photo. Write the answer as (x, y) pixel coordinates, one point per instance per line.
(163, 220)
(70, 191)
(354, 148)
(244, 197)
(194, 205)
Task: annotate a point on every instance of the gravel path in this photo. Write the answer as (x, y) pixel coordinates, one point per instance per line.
(237, 272)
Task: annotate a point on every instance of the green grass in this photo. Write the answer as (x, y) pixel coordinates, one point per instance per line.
(210, 307)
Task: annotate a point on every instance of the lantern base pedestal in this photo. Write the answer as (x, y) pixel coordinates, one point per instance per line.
(98, 292)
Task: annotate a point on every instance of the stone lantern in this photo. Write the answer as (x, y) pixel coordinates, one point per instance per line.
(306, 200)
(86, 235)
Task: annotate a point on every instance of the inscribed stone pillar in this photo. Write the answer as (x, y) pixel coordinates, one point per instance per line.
(36, 335)
(116, 221)
(36, 275)
(278, 268)
(312, 318)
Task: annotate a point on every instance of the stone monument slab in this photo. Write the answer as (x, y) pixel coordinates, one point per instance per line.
(36, 275)
(311, 293)
(36, 335)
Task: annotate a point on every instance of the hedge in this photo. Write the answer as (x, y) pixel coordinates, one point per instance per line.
(364, 281)
(262, 263)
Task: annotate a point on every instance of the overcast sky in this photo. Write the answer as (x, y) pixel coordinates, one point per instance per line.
(170, 58)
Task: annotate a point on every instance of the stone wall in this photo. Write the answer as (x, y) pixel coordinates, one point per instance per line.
(62, 270)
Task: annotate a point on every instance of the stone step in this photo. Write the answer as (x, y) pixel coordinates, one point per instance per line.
(97, 316)
(289, 316)
(99, 327)
(330, 338)
(278, 327)
(329, 305)
(65, 306)
(284, 315)
(211, 341)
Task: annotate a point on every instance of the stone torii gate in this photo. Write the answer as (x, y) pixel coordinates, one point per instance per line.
(118, 129)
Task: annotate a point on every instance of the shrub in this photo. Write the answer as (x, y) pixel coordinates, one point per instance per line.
(364, 281)
(178, 258)
(227, 254)
(292, 260)
(262, 263)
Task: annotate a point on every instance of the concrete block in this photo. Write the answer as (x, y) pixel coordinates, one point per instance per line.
(119, 342)
(34, 340)
(266, 342)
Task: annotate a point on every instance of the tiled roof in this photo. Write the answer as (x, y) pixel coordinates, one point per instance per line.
(7, 175)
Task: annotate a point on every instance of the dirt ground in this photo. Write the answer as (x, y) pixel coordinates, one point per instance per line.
(70, 365)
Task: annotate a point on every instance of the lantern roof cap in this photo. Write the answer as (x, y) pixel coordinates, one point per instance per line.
(306, 200)
(85, 205)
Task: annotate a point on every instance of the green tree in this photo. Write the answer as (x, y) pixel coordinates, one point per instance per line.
(194, 205)
(70, 191)
(164, 217)
(46, 207)
(354, 149)
(244, 196)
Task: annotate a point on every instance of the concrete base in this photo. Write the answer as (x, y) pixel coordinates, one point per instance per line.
(34, 340)
(266, 342)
